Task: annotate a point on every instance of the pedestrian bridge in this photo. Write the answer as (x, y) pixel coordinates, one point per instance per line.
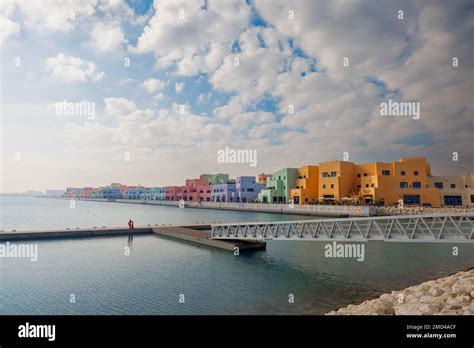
(454, 227)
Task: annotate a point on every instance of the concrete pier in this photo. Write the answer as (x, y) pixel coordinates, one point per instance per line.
(197, 234)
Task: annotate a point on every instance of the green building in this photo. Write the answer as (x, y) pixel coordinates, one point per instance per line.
(215, 179)
(279, 186)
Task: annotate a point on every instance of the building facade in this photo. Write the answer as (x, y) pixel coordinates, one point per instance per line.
(279, 185)
(134, 192)
(454, 190)
(405, 180)
(336, 180)
(223, 192)
(214, 179)
(196, 190)
(306, 186)
(262, 178)
(247, 189)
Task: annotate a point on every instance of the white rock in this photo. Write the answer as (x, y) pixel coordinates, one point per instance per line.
(436, 291)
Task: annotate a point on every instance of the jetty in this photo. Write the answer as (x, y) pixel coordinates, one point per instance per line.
(196, 234)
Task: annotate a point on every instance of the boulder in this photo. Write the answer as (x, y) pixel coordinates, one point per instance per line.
(436, 291)
(416, 309)
(464, 286)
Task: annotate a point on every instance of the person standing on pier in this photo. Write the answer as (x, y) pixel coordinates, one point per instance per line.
(130, 224)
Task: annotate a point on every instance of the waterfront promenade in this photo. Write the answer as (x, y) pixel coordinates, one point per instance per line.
(309, 210)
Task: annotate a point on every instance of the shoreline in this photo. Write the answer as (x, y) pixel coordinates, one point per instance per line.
(450, 295)
(338, 211)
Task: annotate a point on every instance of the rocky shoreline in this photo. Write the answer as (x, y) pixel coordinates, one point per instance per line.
(452, 295)
(386, 211)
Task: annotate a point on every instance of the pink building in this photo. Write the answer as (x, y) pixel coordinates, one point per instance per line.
(173, 193)
(197, 190)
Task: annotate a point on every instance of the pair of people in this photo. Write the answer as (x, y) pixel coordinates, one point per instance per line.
(130, 224)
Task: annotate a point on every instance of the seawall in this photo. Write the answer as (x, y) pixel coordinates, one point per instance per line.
(308, 210)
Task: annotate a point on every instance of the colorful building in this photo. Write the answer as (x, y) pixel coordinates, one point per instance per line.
(279, 186)
(173, 193)
(404, 180)
(109, 192)
(306, 186)
(156, 193)
(134, 192)
(223, 192)
(454, 190)
(262, 178)
(196, 190)
(214, 179)
(246, 189)
(336, 180)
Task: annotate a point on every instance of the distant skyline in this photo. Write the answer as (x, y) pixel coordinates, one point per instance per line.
(166, 85)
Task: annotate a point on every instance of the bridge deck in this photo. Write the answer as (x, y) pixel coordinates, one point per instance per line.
(454, 227)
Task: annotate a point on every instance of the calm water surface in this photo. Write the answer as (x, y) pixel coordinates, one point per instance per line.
(149, 281)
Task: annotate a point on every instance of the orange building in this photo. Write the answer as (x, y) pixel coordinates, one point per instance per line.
(306, 186)
(404, 180)
(262, 178)
(336, 180)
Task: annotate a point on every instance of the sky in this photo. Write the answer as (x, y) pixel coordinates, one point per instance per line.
(173, 82)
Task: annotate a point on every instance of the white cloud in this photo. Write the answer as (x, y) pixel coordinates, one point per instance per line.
(199, 41)
(153, 85)
(179, 86)
(55, 15)
(70, 69)
(107, 37)
(8, 29)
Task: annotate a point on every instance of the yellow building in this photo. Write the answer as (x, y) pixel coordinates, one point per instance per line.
(404, 180)
(306, 186)
(407, 180)
(454, 190)
(336, 180)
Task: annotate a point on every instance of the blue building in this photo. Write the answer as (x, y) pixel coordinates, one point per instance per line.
(109, 193)
(247, 189)
(156, 193)
(223, 192)
(134, 192)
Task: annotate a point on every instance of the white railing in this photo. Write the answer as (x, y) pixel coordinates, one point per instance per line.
(455, 227)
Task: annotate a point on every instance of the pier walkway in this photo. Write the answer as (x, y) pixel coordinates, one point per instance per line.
(453, 227)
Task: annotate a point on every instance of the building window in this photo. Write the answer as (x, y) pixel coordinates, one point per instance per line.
(325, 174)
(438, 185)
(403, 185)
(417, 185)
(415, 173)
(372, 185)
(358, 186)
(324, 186)
(367, 185)
(358, 175)
(453, 186)
(365, 174)
(472, 198)
(332, 185)
(386, 172)
(333, 174)
(402, 173)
